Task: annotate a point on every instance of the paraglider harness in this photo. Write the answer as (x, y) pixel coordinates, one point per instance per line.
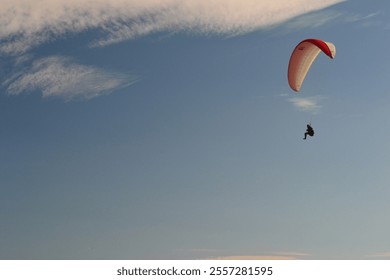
(309, 131)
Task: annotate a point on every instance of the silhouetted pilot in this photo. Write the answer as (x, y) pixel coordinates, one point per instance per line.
(309, 131)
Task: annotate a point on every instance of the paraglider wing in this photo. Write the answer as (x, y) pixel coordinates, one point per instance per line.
(302, 58)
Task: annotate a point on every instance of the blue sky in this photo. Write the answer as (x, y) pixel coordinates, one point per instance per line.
(167, 130)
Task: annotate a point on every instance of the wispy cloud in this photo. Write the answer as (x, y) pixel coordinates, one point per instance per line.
(314, 20)
(60, 77)
(307, 104)
(27, 23)
(319, 18)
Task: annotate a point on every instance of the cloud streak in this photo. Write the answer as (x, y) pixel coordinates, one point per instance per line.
(306, 104)
(314, 20)
(26, 23)
(60, 77)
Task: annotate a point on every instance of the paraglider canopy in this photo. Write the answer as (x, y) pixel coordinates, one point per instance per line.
(303, 57)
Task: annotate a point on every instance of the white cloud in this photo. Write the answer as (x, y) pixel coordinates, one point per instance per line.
(58, 76)
(319, 18)
(28, 23)
(307, 104)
